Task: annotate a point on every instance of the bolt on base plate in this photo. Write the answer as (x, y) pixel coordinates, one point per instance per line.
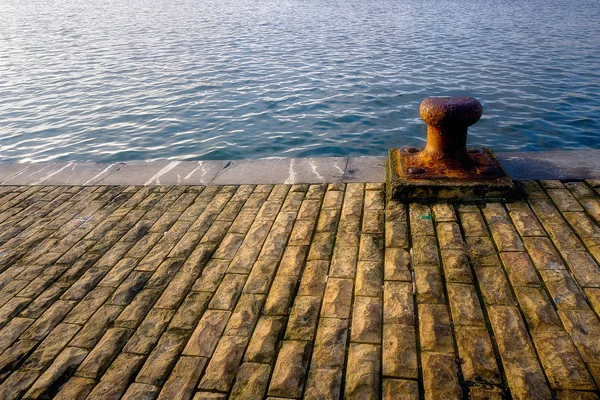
(410, 179)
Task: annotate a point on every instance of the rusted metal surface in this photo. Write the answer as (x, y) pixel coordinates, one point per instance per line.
(445, 167)
(446, 154)
(482, 164)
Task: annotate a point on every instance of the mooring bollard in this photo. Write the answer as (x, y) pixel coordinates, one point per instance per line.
(448, 119)
(445, 168)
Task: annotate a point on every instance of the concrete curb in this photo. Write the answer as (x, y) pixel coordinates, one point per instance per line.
(576, 164)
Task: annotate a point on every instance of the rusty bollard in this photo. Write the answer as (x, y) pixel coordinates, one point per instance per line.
(448, 119)
(445, 168)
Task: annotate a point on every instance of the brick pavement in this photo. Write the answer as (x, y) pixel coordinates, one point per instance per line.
(289, 291)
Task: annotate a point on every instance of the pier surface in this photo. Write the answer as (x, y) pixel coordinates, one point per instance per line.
(297, 291)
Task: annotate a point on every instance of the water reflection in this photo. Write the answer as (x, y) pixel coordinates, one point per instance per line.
(204, 79)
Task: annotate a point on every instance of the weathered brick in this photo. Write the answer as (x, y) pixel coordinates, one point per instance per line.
(323, 384)
(399, 351)
(367, 320)
(13, 355)
(48, 321)
(260, 277)
(584, 268)
(183, 379)
(444, 212)
(209, 396)
(228, 292)
(494, 286)
(93, 330)
(435, 328)
(456, 266)
(251, 245)
(50, 347)
(280, 296)
(269, 210)
(242, 223)
(129, 288)
(206, 335)
(41, 303)
(228, 246)
(464, 304)
(449, 236)
(12, 331)
(369, 278)
(584, 329)
(76, 388)
(293, 201)
(348, 234)
(482, 391)
(523, 372)
(137, 391)
(133, 314)
(593, 295)
(592, 206)
(164, 274)
(519, 268)
(562, 236)
(309, 209)
(582, 224)
(373, 221)
(327, 221)
(398, 307)
(563, 366)
(421, 220)
(116, 379)
(564, 200)
(313, 279)
(221, 369)
(396, 233)
(425, 252)
(371, 248)
(330, 343)
(211, 276)
(303, 319)
(102, 355)
(243, 319)
(564, 291)
(399, 388)
(263, 344)
(395, 211)
(337, 299)
(63, 365)
(149, 331)
(251, 381)
(539, 312)
(473, 224)
(343, 262)
(428, 281)
(321, 246)
(374, 199)
(482, 252)
(292, 261)
(543, 254)
(477, 355)
(397, 265)
(290, 369)
(162, 358)
(118, 273)
(363, 372)
(440, 376)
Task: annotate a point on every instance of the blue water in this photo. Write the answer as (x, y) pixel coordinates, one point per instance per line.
(112, 80)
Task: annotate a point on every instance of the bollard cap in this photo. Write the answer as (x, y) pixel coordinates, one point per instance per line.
(443, 112)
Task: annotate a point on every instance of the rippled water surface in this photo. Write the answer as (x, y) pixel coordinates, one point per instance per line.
(112, 80)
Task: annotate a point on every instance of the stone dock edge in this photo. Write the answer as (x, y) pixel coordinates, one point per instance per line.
(573, 164)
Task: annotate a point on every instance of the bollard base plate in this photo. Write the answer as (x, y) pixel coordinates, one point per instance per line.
(486, 181)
